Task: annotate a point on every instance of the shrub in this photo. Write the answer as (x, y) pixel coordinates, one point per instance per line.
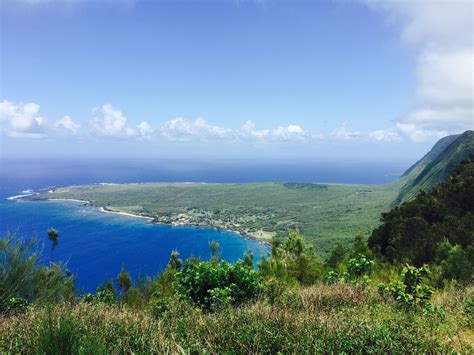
(21, 275)
(273, 290)
(332, 278)
(158, 307)
(124, 280)
(105, 296)
(412, 292)
(14, 305)
(220, 298)
(86, 298)
(196, 281)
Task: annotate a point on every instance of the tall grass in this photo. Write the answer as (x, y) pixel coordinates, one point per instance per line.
(315, 319)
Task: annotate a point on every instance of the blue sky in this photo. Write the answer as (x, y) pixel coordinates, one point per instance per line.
(207, 79)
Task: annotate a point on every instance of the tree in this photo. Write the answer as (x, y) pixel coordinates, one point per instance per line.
(53, 236)
(215, 252)
(248, 258)
(175, 262)
(124, 280)
(415, 230)
(360, 246)
(337, 255)
(291, 259)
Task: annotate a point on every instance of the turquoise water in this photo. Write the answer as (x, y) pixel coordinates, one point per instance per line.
(96, 244)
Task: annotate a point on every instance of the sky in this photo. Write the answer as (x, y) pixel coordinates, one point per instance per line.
(222, 79)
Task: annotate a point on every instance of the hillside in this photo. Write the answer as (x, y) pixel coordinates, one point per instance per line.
(434, 227)
(435, 166)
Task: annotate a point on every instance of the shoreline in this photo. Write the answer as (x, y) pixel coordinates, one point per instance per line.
(127, 214)
(102, 209)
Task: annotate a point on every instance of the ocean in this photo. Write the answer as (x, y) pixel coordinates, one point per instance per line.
(95, 245)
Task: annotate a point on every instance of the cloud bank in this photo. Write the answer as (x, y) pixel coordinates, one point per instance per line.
(441, 32)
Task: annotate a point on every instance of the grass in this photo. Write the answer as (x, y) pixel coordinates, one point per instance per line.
(323, 212)
(315, 319)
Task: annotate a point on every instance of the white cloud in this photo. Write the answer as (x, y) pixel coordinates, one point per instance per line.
(291, 132)
(442, 34)
(418, 133)
(145, 130)
(382, 135)
(446, 77)
(111, 122)
(249, 132)
(21, 121)
(67, 125)
(181, 129)
(343, 133)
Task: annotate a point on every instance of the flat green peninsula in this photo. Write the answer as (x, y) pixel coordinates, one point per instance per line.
(322, 212)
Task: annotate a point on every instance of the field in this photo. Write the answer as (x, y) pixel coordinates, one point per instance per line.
(322, 212)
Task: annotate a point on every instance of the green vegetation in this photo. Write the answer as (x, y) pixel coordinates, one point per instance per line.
(23, 280)
(286, 306)
(409, 289)
(437, 165)
(323, 213)
(435, 228)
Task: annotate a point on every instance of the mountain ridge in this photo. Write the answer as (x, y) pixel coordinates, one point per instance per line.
(436, 165)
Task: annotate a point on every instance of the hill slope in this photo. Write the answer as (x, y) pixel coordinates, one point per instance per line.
(437, 165)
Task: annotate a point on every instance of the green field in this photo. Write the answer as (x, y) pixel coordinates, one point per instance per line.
(322, 212)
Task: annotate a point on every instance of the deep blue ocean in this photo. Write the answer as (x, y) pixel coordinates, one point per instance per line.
(95, 244)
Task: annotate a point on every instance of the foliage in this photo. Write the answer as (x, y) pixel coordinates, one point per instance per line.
(21, 275)
(124, 280)
(206, 282)
(14, 305)
(419, 231)
(106, 293)
(336, 256)
(105, 296)
(412, 292)
(316, 319)
(59, 337)
(175, 262)
(292, 259)
(360, 246)
(358, 266)
(53, 236)
(437, 165)
(159, 306)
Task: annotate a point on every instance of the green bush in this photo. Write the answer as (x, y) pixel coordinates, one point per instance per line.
(87, 298)
(273, 290)
(105, 296)
(198, 280)
(412, 292)
(158, 307)
(21, 276)
(14, 305)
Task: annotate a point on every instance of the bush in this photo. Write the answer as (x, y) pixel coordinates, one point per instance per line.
(87, 298)
(105, 296)
(412, 292)
(158, 307)
(22, 277)
(237, 281)
(14, 305)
